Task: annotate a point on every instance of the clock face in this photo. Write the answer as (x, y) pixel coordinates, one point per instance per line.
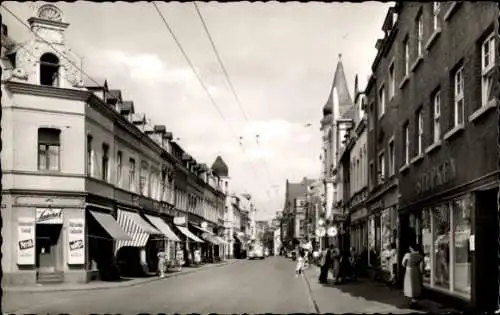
(50, 12)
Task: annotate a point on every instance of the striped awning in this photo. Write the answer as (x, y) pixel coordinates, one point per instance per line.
(110, 226)
(137, 227)
(207, 235)
(163, 227)
(220, 240)
(188, 233)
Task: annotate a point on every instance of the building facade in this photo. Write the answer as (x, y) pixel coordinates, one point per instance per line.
(294, 212)
(90, 188)
(431, 96)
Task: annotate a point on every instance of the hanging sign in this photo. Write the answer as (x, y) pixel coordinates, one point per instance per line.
(321, 231)
(26, 241)
(332, 231)
(49, 216)
(76, 241)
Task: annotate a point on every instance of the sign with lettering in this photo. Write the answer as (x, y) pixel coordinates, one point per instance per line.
(26, 241)
(376, 205)
(360, 214)
(180, 220)
(49, 216)
(76, 241)
(438, 175)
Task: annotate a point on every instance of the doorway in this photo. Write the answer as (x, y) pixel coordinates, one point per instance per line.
(48, 248)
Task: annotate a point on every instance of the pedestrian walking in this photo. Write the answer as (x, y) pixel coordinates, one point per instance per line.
(336, 260)
(412, 261)
(325, 264)
(300, 264)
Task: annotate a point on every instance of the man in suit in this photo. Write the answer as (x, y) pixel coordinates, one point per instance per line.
(325, 264)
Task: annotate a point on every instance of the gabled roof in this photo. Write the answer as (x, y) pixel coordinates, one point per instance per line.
(340, 83)
(219, 167)
(95, 82)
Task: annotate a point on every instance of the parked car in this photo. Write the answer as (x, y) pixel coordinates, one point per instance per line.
(256, 251)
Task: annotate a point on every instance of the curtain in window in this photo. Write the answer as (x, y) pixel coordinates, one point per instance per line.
(53, 153)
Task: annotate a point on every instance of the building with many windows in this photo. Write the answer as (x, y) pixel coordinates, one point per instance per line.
(431, 97)
(90, 188)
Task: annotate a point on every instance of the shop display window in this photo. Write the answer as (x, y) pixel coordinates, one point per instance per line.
(426, 244)
(462, 257)
(446, 230)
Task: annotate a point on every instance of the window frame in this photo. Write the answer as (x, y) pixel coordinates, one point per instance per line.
(391, 157)
(392, 80)
(105, 174)
(132, 170)
(119, 168)
(406, 56)
(420, 131)
(420, 34)
(436, 9)
(381, 101)
(436, 116)
(406, 143)
(381, 167)
(458, 95)
(47, 152)
(486, 70)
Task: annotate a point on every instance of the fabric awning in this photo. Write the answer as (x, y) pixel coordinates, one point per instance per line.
(207, 235)
(163, 227)
(110, 225)
(220, 239)
(188, 233)
(137, 227)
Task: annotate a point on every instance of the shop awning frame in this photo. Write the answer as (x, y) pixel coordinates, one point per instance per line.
(184, 230)
(137, 227)
(110, 225)
(163, 227)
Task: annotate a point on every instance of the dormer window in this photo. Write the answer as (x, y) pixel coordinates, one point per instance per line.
(49, 70)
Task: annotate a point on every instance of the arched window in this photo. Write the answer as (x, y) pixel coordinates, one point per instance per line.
(49, 70)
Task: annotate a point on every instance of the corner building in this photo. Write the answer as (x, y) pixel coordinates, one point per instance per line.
(90, 188)
(445, 134)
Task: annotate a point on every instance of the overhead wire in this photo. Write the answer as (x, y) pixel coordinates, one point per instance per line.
(179, 45)
(226, 75)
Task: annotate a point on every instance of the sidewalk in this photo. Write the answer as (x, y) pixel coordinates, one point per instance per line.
(124, 282)
(362, 296)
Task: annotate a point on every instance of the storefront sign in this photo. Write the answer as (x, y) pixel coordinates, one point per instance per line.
(76, 241)
(26, 241)
(359, 214)
(180, 220)
(49, 216)
(438, 175)
(376, 205)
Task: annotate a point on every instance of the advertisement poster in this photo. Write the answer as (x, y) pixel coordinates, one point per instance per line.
(26, 241)
(49, 216)
(76, 241)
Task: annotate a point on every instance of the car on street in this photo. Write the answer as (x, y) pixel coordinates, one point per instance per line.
(256, 251)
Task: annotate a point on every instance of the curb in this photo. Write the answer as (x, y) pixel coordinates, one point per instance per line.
(124, 285)
(312, 301)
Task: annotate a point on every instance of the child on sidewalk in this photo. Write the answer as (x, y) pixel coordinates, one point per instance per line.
(300, 264)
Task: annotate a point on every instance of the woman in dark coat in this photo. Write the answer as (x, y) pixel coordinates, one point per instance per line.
(325, 265)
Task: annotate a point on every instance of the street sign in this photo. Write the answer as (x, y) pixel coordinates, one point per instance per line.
(332, 231)
(320, 231)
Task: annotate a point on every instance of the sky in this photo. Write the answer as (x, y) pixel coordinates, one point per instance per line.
(280, 58)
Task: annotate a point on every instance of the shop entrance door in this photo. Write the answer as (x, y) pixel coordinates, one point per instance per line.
(47, 247)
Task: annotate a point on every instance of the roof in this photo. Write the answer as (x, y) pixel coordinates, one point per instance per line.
(94, 82)
(219, 167)
(340, 84)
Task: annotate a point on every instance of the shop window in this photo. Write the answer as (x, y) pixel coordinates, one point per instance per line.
(49, 70)
(441, 239)
(49, 149)
(461, 255)
(426, 233)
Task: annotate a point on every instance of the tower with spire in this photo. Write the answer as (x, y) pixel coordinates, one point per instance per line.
(338, 113)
